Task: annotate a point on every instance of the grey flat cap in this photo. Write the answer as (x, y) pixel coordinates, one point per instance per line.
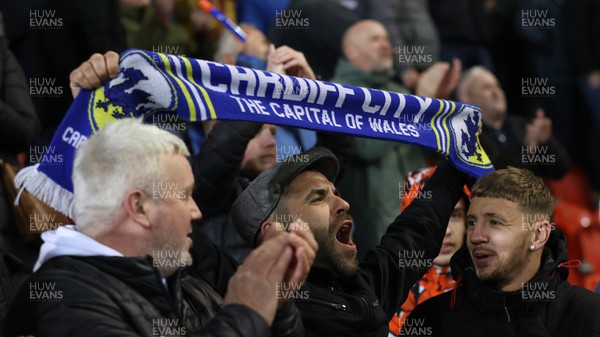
(260, 198)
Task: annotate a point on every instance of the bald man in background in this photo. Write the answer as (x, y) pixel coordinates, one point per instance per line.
(379, 167)
(511, 140)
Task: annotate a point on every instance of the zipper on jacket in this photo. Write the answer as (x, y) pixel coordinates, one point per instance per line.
(368, 308)
(505, 308)
(333, 305)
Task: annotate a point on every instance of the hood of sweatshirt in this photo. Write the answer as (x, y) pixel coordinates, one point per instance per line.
(67, 240)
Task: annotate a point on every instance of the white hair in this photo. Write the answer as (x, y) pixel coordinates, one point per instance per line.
(124, 155)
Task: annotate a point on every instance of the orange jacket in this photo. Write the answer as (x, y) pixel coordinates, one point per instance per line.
(437, 280)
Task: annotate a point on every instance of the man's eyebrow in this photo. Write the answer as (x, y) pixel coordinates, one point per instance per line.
(488, 215)
(492, 215)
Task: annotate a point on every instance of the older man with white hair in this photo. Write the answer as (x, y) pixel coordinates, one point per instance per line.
(126, 267)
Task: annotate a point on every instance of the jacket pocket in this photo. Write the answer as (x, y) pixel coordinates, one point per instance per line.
(329, 304)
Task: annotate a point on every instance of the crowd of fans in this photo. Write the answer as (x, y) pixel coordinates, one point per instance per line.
(531, 66)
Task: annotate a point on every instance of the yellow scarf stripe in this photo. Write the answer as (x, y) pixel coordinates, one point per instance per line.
(181, 85)
(445, 125)
(211, 108)
(437, 135)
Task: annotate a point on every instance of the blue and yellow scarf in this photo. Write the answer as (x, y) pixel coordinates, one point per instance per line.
(194, 90)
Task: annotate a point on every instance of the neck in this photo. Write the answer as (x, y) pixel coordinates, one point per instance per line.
(120, 242)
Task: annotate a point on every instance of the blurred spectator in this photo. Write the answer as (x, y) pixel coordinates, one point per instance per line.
(260, 13)
(438, 278)
(507, 139)
(314, 27)
(151, 26)
(201, 26)
(511, 276)
(507, 52)
(464, 30)
(232, 155)
(19, 125)
(378, 165)
(545, 80)
(51, 38)
(584, 45)
(252, 53)
(414, 37)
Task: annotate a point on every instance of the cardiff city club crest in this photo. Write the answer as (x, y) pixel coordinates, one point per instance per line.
(133, 93)
(464, 124)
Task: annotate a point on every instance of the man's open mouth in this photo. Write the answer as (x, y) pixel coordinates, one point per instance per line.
(344, 235)
(481, 257)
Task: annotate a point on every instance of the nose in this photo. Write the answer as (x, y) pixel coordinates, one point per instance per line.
(498, 92)
(195, 210)
(477, 234)
(448, 231)
(267, 139)
(340, 205)
(387, 44)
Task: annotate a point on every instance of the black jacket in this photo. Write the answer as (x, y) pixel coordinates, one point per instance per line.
(363, 304)
(217, 171)
(19, 123)
(116, 296)
(549, 306)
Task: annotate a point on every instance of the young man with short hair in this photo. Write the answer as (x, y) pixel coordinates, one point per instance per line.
(512, 272)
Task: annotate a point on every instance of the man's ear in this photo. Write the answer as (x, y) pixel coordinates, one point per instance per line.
(135, 204)
(265, 228)
(541, 233)
(268, 229)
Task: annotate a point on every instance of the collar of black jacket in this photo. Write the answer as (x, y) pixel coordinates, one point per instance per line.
(139, 274)
(324, 278)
